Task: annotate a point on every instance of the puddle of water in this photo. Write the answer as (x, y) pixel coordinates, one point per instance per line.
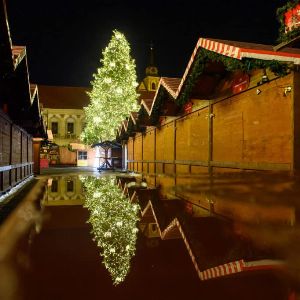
(89, 241)
(114, 224)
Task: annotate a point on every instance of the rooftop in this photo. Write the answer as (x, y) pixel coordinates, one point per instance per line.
(63, 97)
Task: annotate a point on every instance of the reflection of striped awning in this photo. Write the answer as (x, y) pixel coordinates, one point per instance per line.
(240, 266)
(175, 230)
(240, 50)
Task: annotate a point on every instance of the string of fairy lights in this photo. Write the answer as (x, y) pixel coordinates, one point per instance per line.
(114, 224)
(113, 96)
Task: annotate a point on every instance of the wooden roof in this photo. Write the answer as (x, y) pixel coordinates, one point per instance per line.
(147, 103)
(170, 84)
(134, 117)
(146, 95)
(233, 49)
(63, 97)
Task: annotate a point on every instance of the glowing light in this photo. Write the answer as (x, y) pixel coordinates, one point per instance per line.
(119, 90)
(114, 224)
(107, 234)
(97, 194)
(107, 80)
(113, 96)
(97, 120)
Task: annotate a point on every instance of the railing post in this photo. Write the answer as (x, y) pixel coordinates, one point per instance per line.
(210, 136)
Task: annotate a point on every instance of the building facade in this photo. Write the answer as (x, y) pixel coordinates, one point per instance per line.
(62, 109)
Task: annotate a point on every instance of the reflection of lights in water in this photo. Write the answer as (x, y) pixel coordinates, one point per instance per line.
(114, 221)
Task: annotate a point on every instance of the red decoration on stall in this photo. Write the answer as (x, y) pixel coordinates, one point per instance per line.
(44, 163)
(162, 120)
(188, 107)
(292, 18)
(189, 208)
(240, 83)
(5, 108)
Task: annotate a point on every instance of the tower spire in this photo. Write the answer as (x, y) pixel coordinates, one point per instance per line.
(151, 54)
(151, 69)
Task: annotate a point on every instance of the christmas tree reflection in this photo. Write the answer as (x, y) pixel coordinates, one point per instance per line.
(114, 224)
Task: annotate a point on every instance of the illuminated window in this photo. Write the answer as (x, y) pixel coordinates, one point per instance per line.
(70, 127)
(70, 186)
(54, 127)
(54, 186)
(82, 155)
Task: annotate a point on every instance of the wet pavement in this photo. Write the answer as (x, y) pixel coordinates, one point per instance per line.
(230, 237)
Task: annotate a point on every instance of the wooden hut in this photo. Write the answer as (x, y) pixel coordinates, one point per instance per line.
(20, 117)
(235, 108)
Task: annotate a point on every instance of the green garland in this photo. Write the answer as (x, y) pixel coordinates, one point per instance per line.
(286, 36)
(231, 64)
(142, 113)
(130, 128)
(156, 111)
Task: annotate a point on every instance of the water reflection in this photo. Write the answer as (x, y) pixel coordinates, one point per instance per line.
(261, 208)
(114, 224)
(219, 237)
(64, 190)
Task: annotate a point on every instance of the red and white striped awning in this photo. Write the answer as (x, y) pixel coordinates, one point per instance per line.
(240, 50)
(18, 52)
(134, 117)
(33, 92)
(170, 84)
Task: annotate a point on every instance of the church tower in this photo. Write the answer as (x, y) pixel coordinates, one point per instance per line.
(150, 82)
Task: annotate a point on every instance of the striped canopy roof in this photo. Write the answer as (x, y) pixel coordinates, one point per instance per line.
(18, 53)
(233, 49)
(240, 50)
(170, 84)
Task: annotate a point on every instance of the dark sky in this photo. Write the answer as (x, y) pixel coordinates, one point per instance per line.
(64, 38)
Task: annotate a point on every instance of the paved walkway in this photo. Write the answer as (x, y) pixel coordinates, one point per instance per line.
(64, 170)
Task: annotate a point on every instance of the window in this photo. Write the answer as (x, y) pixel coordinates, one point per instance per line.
(54, 127)
(153, 86)
(70, 186)
(70, 127)
(54, 186)
(82, 155)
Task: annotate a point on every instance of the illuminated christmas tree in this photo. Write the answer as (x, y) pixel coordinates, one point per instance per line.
(113, 94)
(114, 224)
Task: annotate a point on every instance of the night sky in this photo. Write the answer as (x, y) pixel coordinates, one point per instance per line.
(65, 38)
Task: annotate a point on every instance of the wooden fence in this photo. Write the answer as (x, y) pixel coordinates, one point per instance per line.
(16, 154)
